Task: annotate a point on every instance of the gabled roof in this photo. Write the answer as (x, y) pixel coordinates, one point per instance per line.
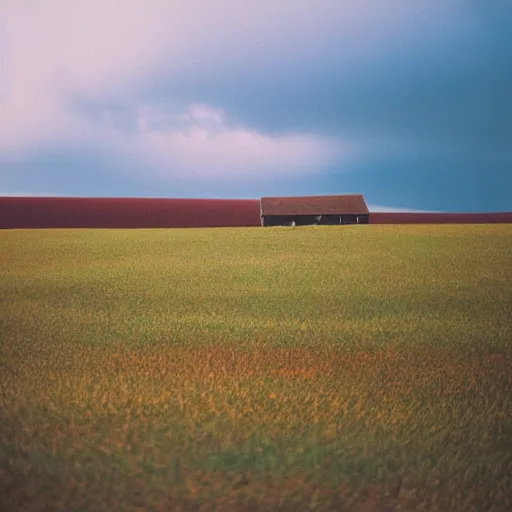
(314, 205)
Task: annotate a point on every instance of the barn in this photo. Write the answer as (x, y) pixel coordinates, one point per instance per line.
(314, 210)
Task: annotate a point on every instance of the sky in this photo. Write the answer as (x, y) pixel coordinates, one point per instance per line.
(408, 103)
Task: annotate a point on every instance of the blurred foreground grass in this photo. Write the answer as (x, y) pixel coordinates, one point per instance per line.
(277, 368)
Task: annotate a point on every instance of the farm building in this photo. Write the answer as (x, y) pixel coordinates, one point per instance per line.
(311, 210)
(125, 213)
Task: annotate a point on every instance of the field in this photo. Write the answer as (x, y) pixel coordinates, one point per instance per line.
(317, 368)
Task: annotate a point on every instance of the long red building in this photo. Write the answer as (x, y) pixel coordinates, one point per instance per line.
(440, 218)
(69, 212)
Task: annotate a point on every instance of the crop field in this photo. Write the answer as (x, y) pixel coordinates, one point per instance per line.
(353, 368)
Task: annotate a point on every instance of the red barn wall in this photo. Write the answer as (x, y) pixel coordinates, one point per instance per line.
(59, 212)
(440, 218)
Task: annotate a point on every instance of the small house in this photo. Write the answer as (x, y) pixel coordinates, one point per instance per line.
(314, 210)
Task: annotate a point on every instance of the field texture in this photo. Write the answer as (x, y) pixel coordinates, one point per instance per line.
(320, 368)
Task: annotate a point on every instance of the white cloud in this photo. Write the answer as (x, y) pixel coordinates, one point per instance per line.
(203, 143)
(53, 50)
(391, 209)
(205, 114)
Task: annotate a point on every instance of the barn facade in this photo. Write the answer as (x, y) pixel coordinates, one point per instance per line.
(314, 210)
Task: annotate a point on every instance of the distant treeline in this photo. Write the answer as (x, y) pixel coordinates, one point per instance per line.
(66, 212)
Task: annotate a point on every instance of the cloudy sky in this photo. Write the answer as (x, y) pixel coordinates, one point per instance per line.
(408, 103)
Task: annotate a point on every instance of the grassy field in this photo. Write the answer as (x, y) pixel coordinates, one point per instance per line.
(321, 368)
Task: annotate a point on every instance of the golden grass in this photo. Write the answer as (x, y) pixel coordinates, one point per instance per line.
(268, 368)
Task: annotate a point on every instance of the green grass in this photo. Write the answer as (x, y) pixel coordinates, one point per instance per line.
(276, 368)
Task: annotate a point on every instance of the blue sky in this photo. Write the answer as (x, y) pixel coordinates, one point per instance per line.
(408, 103)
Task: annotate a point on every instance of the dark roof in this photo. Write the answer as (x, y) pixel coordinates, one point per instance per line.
(314, 205)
